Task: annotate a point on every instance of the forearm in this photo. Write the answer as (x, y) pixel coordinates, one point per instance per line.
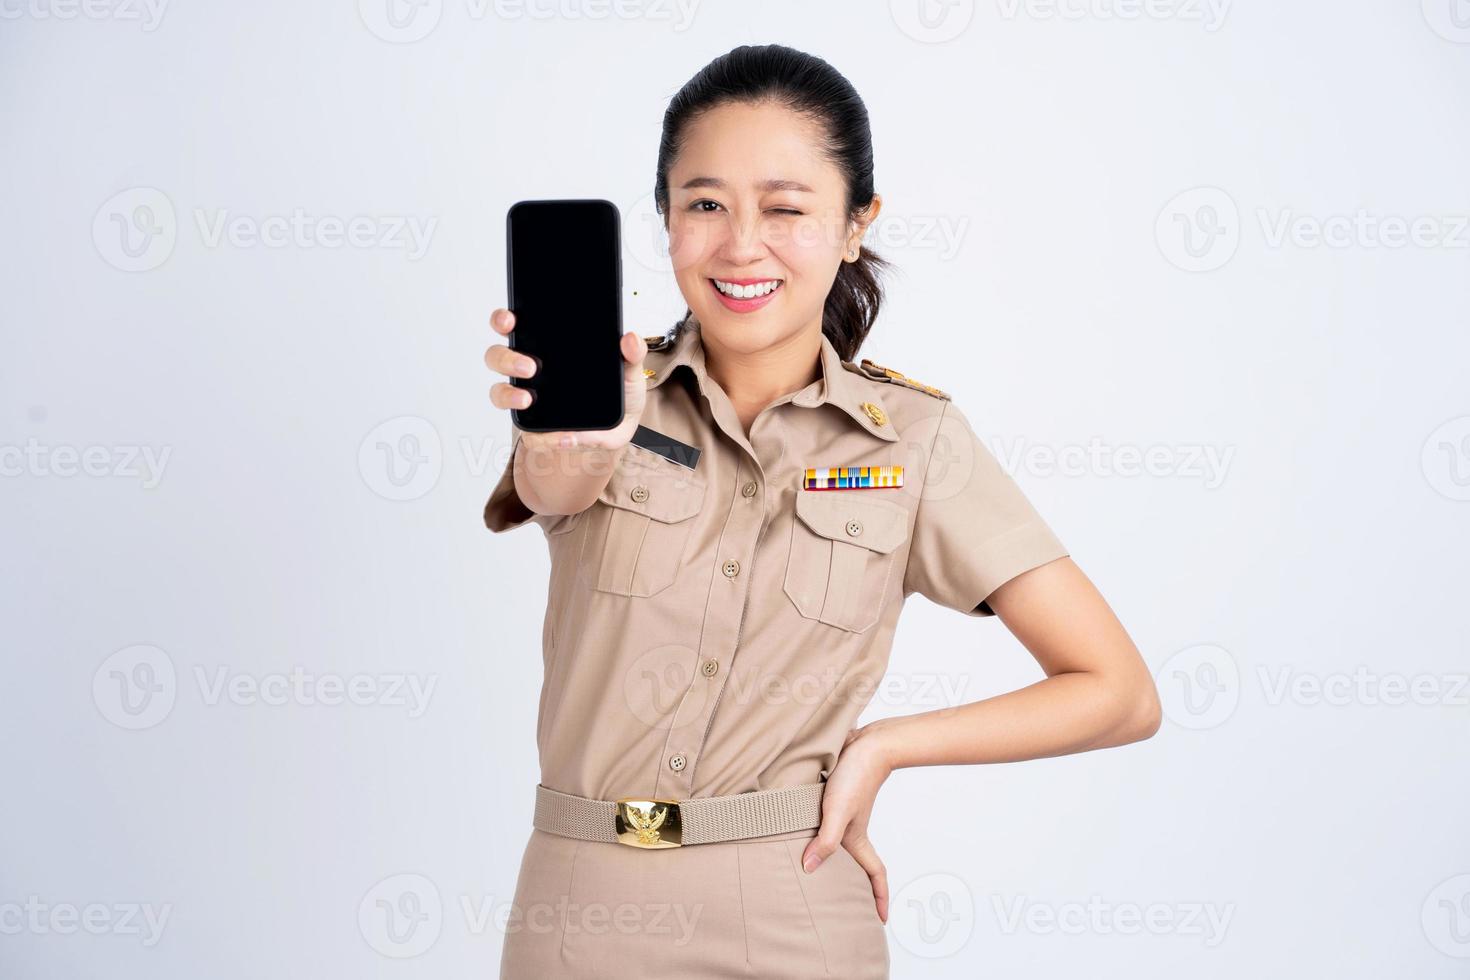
(1061, 715)
(562, 481)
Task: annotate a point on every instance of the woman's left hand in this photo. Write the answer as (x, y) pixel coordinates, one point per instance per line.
(847, 803)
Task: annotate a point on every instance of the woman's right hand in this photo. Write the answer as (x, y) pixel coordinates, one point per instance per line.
(502, 360)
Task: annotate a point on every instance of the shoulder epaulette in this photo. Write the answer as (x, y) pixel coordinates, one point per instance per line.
(881, 373)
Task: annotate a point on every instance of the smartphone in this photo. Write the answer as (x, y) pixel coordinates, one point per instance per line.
(564, 271)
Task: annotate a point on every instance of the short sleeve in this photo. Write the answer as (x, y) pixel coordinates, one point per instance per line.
(505, 510)
(974, 530)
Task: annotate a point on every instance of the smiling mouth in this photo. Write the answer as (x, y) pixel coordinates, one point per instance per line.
(753, 290)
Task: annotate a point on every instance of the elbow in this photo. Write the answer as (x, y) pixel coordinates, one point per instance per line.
(1133, 711)
(1143, 714)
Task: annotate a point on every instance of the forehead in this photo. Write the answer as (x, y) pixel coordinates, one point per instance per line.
(744, 145)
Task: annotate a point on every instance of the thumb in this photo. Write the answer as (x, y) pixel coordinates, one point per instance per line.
(828, 839)
(634, 351)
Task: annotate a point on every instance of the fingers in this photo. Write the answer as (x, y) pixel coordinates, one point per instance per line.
(502, 321)
(503, 360)
(867, 856)
(506, 395)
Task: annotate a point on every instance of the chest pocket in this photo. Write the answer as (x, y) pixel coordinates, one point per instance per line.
(639, 528)
(843, 545)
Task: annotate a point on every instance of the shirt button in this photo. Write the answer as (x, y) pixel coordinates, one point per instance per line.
(749, 489)
(731, 568)
(677, 763)
(639, 493)
(711, 667)
(854, 528)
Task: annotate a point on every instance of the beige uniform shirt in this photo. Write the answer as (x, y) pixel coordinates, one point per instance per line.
(719, 629)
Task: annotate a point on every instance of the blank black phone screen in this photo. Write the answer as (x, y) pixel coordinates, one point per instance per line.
(564, 266)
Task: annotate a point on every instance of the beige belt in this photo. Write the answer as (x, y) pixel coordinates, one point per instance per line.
(642, 822)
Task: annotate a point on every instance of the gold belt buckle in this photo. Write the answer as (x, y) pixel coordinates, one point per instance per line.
(649, 823)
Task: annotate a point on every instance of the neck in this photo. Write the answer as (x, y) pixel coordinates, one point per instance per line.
(753, 380)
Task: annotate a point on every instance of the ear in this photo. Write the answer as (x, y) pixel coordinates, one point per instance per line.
(860, 223)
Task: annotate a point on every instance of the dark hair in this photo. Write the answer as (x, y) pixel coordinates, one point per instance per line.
(808, 85)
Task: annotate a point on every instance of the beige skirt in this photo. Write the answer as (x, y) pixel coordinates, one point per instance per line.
(733, 909)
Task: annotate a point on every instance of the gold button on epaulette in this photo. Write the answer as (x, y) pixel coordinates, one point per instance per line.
(656, 341)
(878, 371)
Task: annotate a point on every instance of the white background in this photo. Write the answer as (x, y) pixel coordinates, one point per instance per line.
(1103, 215)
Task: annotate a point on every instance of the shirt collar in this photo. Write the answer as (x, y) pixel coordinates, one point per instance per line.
(856, 395)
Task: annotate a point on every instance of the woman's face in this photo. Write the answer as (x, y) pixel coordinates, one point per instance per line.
(754, 203)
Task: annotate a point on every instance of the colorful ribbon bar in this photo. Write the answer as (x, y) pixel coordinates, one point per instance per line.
(852, 477)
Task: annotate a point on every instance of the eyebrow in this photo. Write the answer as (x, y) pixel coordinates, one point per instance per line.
(770, 184)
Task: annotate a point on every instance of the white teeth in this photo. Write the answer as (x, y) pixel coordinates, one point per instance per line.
(746, 292)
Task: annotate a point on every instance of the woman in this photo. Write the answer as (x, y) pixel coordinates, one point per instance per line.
(723, 595)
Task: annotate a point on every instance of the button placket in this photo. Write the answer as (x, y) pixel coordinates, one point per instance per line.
(721, 634)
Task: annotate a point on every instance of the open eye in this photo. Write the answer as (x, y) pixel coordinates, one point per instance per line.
(704, 200)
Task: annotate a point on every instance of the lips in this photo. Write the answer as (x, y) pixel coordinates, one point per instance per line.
(748, 294)
(746, 288)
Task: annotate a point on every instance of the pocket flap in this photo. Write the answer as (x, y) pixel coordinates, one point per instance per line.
(879, 525)
(656, 488)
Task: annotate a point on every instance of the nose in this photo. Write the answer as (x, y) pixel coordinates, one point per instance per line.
(743, 242)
